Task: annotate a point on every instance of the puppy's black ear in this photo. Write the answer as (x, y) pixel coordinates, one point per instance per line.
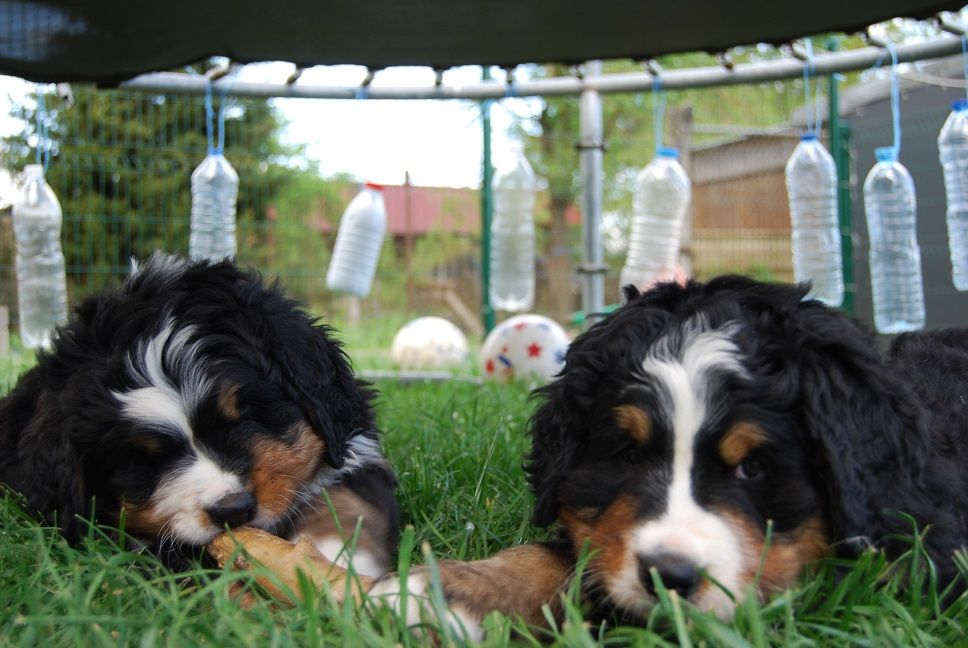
(320, 380)
(553, 448)
(630, 292)
(40, 459)
(865, 423)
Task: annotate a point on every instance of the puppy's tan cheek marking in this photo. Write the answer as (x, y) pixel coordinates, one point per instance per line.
(634, 421)
(607, 533)
(141, 519)
(740, 440)
(787, 556)
(228, 402)
(280, 469)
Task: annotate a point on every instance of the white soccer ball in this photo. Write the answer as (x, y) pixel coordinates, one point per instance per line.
(429, 343)
(524, 346)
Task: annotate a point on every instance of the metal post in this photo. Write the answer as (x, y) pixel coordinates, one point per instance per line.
(591, 145)
(487, 206)
(840, 149)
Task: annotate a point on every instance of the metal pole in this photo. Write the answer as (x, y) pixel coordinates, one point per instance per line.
(487, 206)
(704, 77)
(840, 149)
(591, 145)
(408, 237)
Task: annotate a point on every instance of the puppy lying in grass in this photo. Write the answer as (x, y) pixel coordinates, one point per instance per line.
(714, 441)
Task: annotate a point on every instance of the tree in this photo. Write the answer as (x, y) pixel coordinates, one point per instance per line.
(121, 164)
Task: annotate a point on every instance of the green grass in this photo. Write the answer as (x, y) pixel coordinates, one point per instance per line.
(457, 448)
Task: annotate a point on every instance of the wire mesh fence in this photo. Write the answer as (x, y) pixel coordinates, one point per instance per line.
(121, 166)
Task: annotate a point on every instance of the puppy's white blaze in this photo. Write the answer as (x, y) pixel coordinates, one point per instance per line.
(157, 406)
(156, 399)
(185, 494)
(685, 528)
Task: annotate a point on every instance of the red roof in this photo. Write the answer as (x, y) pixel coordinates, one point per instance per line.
(444, 209)
(441, 209)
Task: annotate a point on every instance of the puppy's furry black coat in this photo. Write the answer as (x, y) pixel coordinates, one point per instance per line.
(191, 371)
(865, 437)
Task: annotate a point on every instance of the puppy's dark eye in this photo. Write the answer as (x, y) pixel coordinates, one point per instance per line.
(749, 469)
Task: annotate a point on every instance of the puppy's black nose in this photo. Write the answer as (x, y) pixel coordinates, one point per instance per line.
(234, 509)
(677, 573)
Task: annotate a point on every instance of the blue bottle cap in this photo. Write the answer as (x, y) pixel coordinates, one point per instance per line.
(959, 104)
(668, 151)
(885, 154)
(808, 137)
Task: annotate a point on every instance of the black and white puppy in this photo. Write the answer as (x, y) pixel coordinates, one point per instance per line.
(193, 398)
(720, 437)
(724, 435)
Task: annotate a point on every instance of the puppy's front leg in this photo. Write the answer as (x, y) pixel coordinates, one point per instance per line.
(516, 582)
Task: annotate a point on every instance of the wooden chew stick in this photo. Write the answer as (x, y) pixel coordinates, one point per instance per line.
(285, 560)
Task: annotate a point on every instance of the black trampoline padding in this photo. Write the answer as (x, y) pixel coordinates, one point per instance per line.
(107, 41)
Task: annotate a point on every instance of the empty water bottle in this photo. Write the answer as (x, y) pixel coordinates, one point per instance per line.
(358, 243)
(895, 258)
(512, 234)
(811, 181)
(662, 195)
(215, 188)
(41, 281)
(953, 150)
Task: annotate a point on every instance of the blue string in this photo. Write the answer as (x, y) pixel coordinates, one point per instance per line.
(209, 116)
(811, 97)
(510, 89)
(221, 116)
(895, 101)
(658, 111)
(964, 58)
(42, 154)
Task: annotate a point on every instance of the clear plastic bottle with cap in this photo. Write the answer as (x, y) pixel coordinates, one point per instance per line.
(41, 278)
(895, 258)
(811, 181)
(215, 189)
(512, 234)
(953, 151)
(358, 242)
(659, 205)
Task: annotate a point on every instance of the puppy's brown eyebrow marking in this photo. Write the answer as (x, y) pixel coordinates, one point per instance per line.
(634, 421)
(740, 440)
(228, 402)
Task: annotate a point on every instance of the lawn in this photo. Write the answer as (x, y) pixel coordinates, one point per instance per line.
(457, 448)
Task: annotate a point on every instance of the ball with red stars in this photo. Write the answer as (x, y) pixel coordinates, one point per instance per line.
(526, 347)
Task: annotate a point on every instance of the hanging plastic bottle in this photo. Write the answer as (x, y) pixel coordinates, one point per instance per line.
(811, 181)
(358, 242)
(895, 258)
(953, 151)
(512, 234)
(662, 196)
(41, 279)
(215, 189)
